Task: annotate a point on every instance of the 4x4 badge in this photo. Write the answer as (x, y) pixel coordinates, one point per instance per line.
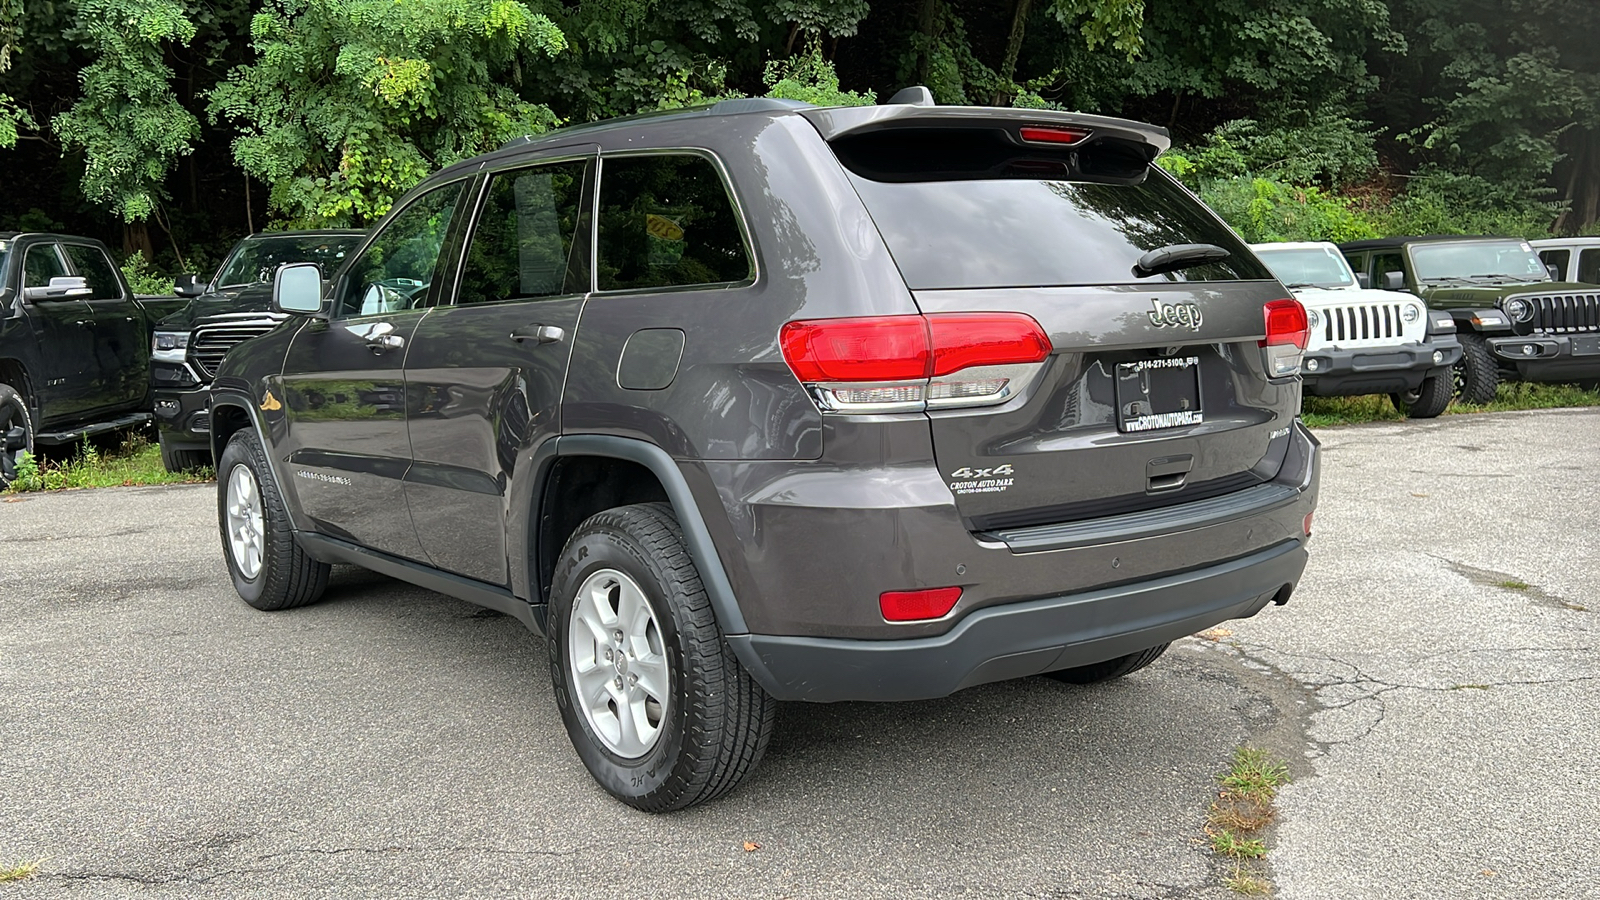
(1174, 315)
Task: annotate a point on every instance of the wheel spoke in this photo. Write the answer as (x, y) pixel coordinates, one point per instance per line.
(620, 675)
(653, 679)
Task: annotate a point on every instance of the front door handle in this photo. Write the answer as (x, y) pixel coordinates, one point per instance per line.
(544, 334)
(381, 337)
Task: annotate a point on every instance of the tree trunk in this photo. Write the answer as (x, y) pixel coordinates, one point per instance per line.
(1008, 66)
(926, 24)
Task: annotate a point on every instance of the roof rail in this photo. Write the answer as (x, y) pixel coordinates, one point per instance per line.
(756, 104)
(916, 95)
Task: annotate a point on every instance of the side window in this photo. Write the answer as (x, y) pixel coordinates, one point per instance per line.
(397, 268)
(41, 264)
(1557, 258)
(1589, 267)
(1385, 262)
(531, 238)
(92, 264)
(666, 221)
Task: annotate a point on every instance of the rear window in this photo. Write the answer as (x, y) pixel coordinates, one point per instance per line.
(968, 208)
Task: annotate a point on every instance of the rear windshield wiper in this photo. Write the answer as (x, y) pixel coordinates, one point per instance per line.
(1178, 256)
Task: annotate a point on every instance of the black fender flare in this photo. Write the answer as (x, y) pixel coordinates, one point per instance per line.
(695, 533)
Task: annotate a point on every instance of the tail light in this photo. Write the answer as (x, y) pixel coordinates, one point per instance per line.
(911, 363)
(1285, 343)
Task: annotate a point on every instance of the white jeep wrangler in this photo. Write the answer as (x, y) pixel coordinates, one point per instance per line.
(1366, 341)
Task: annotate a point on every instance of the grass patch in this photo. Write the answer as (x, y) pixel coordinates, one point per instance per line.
(1320, 412)
(19, 871)
(1243, 806)
(135, 461)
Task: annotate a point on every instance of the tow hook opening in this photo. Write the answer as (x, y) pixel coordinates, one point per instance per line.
(1282, 597)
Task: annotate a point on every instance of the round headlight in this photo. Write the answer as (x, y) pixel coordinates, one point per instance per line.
(1518, 309)
(1411, 312)
(1311, 318)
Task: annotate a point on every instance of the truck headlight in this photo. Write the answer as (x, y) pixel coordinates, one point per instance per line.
(1518, 309)
(1411, 312)
(1312, 320)
(170, 346)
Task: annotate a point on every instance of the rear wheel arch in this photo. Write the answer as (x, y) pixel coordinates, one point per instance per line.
(642, 473)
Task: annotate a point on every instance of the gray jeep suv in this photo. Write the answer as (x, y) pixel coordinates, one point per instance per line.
(761, 402)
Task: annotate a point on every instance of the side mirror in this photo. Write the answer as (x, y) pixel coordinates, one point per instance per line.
(61, 287)
(1555, 272)
(297, 289)
(1364, 279)
(189, 285)
(1394, 281)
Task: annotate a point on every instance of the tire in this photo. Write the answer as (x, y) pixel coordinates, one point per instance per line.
(1476, 375)
(699, 722)
(1095, 673)
(274, 573)
(1428, 400)
(175, 460)
(16, 433)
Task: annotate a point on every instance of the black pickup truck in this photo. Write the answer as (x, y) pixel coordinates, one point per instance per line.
(74, 345)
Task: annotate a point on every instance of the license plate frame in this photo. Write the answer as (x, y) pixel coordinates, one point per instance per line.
(1158, 394)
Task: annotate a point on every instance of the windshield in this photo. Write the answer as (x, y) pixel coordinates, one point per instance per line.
(1487, 261)
(257, 259)
(967, 209)
(1308, 266)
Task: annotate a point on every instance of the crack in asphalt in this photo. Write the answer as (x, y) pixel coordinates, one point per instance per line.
(397, 848)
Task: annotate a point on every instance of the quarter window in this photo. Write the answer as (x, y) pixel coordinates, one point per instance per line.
(397, 268)
(667, 221)
(42, 264)
(92, 265)
(531, 237)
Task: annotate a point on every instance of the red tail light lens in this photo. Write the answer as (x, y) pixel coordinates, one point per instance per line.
(916, 606)
(963, 340)
(910, 363)
(878, 348)
(1287, 333)
(1286, 323)
(1053, 134)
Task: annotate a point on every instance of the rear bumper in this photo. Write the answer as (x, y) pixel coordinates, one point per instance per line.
(1022, 639)
(1550, 357)
(1376, 370)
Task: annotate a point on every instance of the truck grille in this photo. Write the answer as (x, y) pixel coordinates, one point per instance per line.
(211, 343)
(1361, 322)
(1566, 313)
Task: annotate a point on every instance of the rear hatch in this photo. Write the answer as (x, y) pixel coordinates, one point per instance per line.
(1156, 390)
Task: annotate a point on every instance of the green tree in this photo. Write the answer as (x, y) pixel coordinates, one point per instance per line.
(350, 103)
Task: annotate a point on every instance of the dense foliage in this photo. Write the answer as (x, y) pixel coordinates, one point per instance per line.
(173, 126)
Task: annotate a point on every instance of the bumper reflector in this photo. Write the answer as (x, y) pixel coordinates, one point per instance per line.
(915, 606)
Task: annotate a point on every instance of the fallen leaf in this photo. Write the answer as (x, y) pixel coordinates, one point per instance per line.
(1414, 494)
(1215, 634)
(751, 846)
(18, 499)
(1489, 873)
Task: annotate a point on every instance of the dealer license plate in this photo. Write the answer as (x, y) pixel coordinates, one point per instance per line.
(1158, 393)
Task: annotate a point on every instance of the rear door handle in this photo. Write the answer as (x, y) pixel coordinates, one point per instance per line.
(544, 334)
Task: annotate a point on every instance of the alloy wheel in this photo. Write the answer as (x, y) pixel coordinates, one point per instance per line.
(246, 529)
(619, 663)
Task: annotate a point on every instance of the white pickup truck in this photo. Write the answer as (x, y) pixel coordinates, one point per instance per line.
(1366, 341)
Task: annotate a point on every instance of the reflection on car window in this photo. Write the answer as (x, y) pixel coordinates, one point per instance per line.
(41, 265)
(1317, 266)
(666, 221)
(523, 246)
(395, 270)
(92, 264)
(257, 259)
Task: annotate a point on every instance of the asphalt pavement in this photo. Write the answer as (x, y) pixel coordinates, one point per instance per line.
(1432, 683)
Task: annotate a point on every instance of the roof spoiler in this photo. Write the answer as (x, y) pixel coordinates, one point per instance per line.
(908, 110)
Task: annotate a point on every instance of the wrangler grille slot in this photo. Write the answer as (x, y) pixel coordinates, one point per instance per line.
(1566, 313)
(1363, 322)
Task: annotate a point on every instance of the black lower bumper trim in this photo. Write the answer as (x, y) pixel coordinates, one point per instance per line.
(1021, 639)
